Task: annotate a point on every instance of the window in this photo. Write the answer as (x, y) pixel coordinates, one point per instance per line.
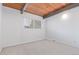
(35, 24)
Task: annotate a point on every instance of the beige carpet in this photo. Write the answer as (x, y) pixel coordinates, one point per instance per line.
(43, 47)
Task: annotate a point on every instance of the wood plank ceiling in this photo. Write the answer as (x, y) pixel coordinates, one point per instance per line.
(41, 9)
(14, 5)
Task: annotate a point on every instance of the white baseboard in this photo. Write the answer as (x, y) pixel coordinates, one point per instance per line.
(69, 43)
(21, 42)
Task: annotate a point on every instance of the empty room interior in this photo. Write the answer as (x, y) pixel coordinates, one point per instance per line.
(39, 29)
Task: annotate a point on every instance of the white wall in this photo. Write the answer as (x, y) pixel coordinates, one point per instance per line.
(64, 30)
(13, 28)
(0, 26)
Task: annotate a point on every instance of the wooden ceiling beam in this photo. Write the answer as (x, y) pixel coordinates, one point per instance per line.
(24, 7)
